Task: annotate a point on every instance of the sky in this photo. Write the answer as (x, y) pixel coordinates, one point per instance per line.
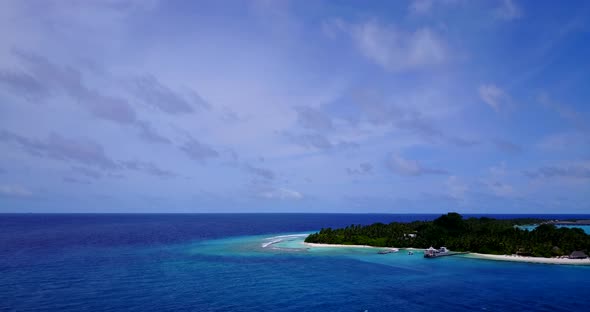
(421, 106)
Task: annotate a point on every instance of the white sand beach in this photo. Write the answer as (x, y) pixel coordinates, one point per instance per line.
(530, 259)
(475, 255)
(356, 246)
(340, 246)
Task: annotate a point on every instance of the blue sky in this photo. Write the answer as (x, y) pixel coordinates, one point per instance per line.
(295, 106)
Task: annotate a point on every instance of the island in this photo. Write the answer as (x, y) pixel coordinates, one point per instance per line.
(487, 238)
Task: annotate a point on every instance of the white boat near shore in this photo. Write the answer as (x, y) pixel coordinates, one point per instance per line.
(433, 253)
(388, 250)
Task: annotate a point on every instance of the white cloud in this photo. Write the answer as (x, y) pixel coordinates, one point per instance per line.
(493, 96)
(396, 49)
(456, 187)
(14, 191)
(405, 166)
(281, 193)
(311, 95)
(508, 10)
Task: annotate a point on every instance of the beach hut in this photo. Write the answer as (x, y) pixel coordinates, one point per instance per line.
(578, 255)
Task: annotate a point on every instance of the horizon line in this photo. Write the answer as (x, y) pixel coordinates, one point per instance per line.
(287, 212)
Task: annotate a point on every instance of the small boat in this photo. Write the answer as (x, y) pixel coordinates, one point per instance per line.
(388, 250)
(433, 253)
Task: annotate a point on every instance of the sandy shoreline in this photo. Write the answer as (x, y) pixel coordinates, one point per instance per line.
(474, 255)
(355, 246)
(529, 259)
(340, 246)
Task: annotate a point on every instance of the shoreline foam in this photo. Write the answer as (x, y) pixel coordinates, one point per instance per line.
(515, 258)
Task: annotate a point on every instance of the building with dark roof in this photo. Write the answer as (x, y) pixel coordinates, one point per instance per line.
(578, 255)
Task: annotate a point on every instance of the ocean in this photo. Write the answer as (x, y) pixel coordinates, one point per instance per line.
(254, 262)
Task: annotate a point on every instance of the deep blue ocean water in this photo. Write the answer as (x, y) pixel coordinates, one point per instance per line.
(217, 262)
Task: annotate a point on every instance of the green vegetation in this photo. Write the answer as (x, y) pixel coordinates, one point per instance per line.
(483, 235)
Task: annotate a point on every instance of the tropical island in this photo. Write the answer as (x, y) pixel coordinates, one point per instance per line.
(484, 236)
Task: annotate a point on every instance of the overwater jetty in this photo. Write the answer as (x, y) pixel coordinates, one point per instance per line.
(442, 252)
(452, 253)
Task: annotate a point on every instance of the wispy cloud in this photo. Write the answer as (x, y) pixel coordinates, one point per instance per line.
(363, 169)
(69, 80)
(23, 84)
(152, 92)
(311, 118)
(81, 151)
(571, 171)
(14, 191)
(564, 141)
(269, 111)
(375, 109)
(147, 167)
(410, 167)
(148, 133)
(74, 180)
(87, 172)
(260, 172)
(394, 48)
(507, 146)
(508, 10)
(420, 6)
(280, 193)
(423, 7)
(198, 151)
(500, 189)
(44, 78)
(317, 141)
(492, 95)
(456, 188)
(575, 118)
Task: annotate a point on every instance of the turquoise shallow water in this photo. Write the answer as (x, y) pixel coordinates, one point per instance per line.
(225, 263)
(586, 228)
(359, 279)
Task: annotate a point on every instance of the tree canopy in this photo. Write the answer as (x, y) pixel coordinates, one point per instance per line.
(484, 235)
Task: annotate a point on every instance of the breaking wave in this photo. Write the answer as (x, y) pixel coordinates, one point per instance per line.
(277, 239)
